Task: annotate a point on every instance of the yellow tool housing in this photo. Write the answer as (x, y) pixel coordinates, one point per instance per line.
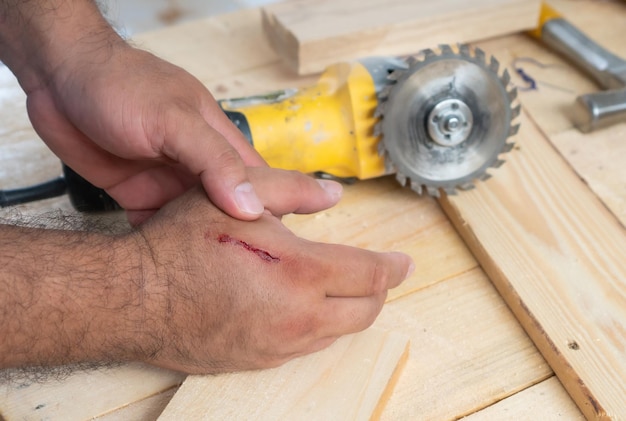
(327, 127)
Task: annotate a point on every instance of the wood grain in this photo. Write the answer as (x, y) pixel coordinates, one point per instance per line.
(467, 350)
(310, 35)
(147, 409)
(66, 398)
(557, 256)
(343, 382)
(544, 401)
(596, 157)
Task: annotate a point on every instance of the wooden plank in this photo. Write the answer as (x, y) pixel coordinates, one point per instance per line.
(82, 395)
(345, 381)
(467, 350)
(148, 409)
(598, 158)
(227, 53)
(312, 35)
(557, 256)
(545, 401)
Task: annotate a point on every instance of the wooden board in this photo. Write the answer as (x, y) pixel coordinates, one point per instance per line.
(346, 381)
(146, 409)
(558, 257)
(596, 157)
(310, 35)
(544, 401)
(65, 398)
(467, 350)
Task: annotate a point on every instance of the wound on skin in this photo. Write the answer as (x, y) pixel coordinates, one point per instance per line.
(225, 238)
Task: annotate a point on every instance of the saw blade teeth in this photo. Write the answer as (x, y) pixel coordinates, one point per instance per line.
(515, 111)
(380, 110)
(480, 55)
(392, 143)
(389, 167)
(494, 64)
(467, 186)
(401, 178)
(394, 76)
(384, 93)
(417, 187)
(464, 50)
(450, 191)
(428, 53)
(411, 60)
(445, 49)
(378, 131)
(506, 77)
(485, 176)
(432, 191)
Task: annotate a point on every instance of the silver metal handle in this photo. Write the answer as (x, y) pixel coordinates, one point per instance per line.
(600, 109)
(606, 68)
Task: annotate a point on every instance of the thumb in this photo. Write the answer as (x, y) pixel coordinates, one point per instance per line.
(207, 154)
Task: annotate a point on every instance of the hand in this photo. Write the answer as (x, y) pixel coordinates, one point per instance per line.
(144, 130)
(229, 295)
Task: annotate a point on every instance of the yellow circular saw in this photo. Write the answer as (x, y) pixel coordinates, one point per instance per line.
(438, 120)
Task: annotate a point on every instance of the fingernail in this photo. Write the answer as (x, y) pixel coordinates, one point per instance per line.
(332, 188)
(247, 200)
(411, 270)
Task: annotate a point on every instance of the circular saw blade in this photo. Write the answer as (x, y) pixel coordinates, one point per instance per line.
(446, 118)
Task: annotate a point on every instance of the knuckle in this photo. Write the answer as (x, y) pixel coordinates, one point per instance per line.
(379, 279)
(227, 158)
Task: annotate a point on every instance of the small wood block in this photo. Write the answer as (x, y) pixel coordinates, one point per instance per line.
(348, 380)
(310, 35)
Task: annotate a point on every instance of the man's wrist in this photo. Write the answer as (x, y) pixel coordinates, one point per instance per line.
(71, 297)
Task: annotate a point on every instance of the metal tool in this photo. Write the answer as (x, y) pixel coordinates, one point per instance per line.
(594, 110)
(438, 120)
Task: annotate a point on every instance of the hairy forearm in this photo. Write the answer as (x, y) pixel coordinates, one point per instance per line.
(39, 36)
(68, 297)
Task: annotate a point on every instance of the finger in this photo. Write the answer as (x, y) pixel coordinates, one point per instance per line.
(362, 273)
(100, 167)
(213, 113)
(350, 315)
(284, 192)
(153, 188)
(207, 154)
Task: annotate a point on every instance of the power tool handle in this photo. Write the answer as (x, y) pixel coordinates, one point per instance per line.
(84, 196)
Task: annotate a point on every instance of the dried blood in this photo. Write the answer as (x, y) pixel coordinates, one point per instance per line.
(225, 238)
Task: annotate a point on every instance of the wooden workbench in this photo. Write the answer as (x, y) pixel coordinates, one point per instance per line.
(469, 355)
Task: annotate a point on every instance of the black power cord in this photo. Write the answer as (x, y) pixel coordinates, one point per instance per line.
(47, 190)
(84, 196)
